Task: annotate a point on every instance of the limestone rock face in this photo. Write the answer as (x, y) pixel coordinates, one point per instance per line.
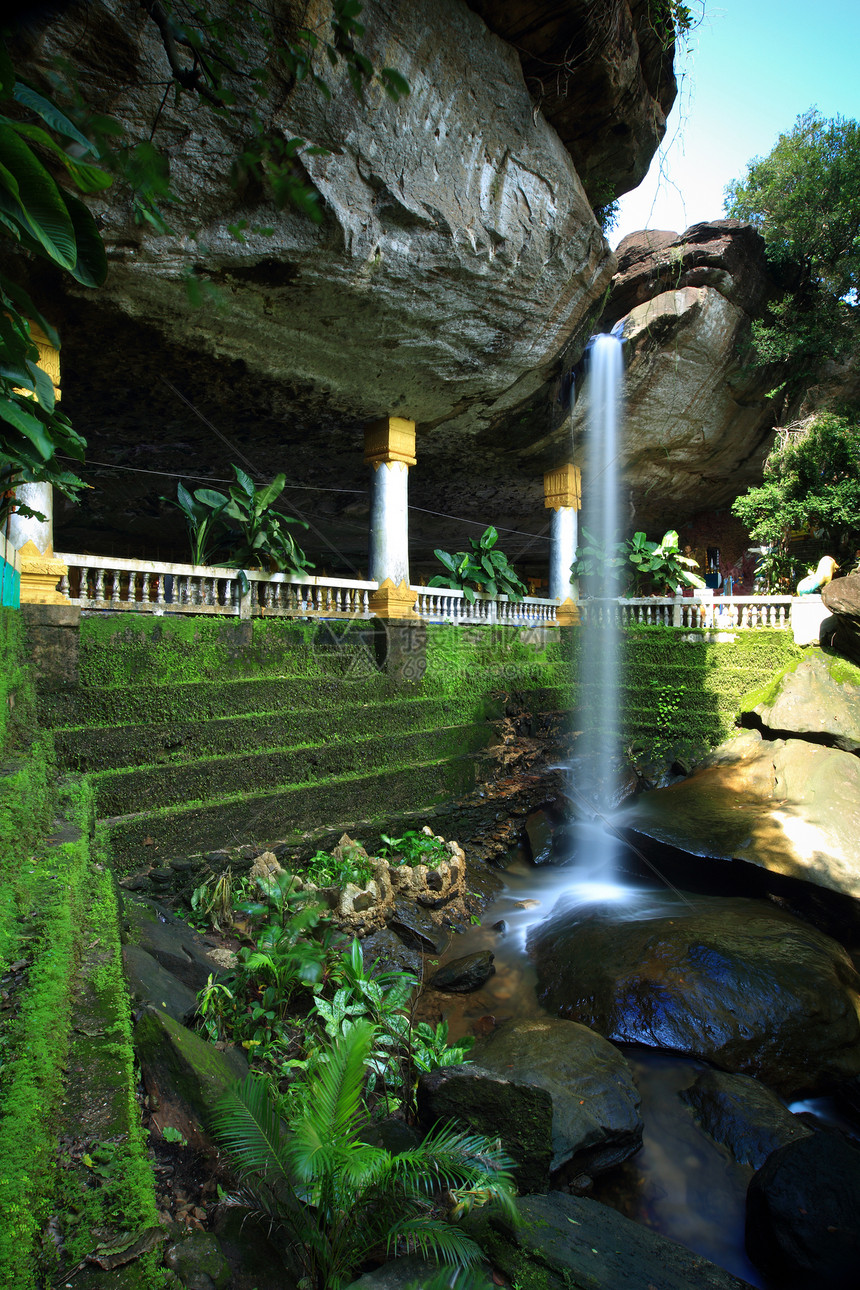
(787, 805)
(820, 698)
(608, 107)
(732, 980)
(697, 425)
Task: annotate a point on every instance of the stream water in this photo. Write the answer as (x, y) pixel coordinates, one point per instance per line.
(681, 1183)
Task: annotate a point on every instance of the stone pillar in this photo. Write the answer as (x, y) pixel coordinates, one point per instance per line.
(34, 539)
(389, 447)
(562, 492)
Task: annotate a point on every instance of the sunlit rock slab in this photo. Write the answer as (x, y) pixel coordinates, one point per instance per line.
(818, 698)
(787, 805)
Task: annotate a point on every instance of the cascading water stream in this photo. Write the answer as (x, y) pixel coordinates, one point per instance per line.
(595, 777)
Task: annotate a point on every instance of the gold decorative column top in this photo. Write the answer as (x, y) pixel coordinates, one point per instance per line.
(388, 440)
(563, 487)
(49, 355)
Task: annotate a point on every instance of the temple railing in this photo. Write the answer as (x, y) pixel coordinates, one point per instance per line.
(720, 613)
(151, 586)
(448, 605)
(156, 587)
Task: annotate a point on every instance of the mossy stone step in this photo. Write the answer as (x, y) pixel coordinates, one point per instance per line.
(286, 813)
(105, 748)
(124, 792)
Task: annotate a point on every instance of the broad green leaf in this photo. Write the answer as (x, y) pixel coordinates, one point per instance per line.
(51, 115)
(40, 199)
(91, 266)
(25, 305)
(489, 537)
(267, 495)
(29, 426)
(44, 387)
(210, 497)
(244, 480)
(89, 178)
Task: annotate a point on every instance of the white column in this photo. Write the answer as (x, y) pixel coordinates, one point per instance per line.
(39, 497)
(389, 523)
(563, 540)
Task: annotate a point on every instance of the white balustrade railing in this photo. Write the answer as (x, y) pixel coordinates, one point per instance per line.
(720, 613)
(448, 605)
(107, 582)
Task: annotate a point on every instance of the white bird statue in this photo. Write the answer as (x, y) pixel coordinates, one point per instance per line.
(813, 582)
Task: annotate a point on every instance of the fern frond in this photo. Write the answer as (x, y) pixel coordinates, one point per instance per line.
(434, 1239)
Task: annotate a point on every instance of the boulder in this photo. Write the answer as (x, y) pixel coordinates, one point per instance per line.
(463, 975)
(198, 1262)
(842, 598)
(177, 947)
(567, 1241)
(817, 698)
(789, 806)
(743, 1115)
(516, 1111)
(183, 1074)
(803, 1213)
(737, 982)
(698, 420)
(595, 1103)
(148, 982)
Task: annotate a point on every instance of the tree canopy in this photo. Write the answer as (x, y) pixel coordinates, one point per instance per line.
(811, 481)
(804, 198)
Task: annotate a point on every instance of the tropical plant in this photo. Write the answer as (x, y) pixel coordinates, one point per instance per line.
(338, 1199)
(47, 220)
(255, 532)
(354, 865)
(597, 566)
(215, 1007)
(482, 569)
(413, 848)
(657, 565)
(811, 481)
(205, 524)
(289, 953)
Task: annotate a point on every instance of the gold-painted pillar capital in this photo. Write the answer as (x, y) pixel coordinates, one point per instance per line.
(563, 487)
(388, 440)
(40, 573)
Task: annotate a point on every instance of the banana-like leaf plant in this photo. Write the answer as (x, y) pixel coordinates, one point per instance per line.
(339, 1200)
(482, 569)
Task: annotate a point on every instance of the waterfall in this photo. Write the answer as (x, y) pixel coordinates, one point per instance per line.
(595, 783)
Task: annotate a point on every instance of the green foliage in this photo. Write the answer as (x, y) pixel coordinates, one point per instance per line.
(413, 848)
(811, 480)
(253, 532)
(660, 565)
(203, 521)
(481, 568)
(804, 198)
(46, 219)
(353, 865)
(644, 567)
(336, 1198)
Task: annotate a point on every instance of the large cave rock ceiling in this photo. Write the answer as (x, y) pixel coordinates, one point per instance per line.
(455, 274)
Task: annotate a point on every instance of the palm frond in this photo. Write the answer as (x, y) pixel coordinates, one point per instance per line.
(247, 1123)
(330, 1109)
(434, 1239)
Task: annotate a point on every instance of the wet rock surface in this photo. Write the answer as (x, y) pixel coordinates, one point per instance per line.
(171, 942)
(803, 1214)
(463, 975)
(516, 1111)
(735, 981)
(568, 1240)
(149, 982)
(595, 1103)
(743, 1115)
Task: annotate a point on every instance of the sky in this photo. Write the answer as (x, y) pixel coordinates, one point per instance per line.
(752, 67)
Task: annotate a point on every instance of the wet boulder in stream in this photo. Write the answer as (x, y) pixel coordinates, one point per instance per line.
(737, 982)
